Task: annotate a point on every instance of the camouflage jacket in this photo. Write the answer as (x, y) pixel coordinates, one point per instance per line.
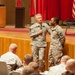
(39, 40)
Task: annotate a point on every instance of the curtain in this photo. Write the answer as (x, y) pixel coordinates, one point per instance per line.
(48, 8)
(73, 9)
(32, 8)
(66, 9)
(18, 3)
(41, 8)
(54, 8)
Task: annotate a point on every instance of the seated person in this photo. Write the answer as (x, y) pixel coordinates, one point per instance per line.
(35, 66)
(70, 65)
(27, 59)
(12, 60)
(59, 69)
(27, 70)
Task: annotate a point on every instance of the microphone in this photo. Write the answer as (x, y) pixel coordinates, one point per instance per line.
(40, 26)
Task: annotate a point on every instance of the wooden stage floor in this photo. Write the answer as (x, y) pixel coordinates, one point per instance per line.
(20, 36)
(11, 31)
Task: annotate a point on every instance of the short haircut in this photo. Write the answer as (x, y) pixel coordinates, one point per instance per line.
(27, 70)
(56, 20)
(12, 47)
(34, 65)
(36, 16)
(70, 64)
(28, 58)
(65, 58)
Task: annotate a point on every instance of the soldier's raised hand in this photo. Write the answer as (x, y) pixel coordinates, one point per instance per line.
(40, 32)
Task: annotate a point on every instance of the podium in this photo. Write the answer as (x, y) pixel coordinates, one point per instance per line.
(2, 16)
(19, 17)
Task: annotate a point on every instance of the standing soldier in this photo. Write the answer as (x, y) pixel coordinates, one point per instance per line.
(38, 35)
(56, 43)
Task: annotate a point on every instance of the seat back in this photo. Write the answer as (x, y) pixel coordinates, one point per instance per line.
(16, 73)
(3, 68)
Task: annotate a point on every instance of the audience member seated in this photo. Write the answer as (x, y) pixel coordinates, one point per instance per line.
(70, 65)
(35, 66)
(59, 69)
(27, 70)
(27, 59)
(12, 60)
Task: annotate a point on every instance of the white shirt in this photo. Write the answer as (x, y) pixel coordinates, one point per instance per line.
(57, 70)
(11, 59)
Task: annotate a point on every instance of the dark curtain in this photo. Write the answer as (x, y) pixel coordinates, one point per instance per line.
(55, 8)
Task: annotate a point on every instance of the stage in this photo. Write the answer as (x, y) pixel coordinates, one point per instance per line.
(20, 36)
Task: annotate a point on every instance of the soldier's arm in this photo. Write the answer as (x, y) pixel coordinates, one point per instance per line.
(33, 33)
(48, 28)
(62, 37)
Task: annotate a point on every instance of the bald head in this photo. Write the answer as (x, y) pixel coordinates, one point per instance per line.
(65, 58)
(13, 47)
(70, 65)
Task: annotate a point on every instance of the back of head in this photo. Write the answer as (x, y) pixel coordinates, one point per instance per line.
(70, 65)
(27, 70)
(28, 58)
(35, 66)
(65, 58)
(13, 47)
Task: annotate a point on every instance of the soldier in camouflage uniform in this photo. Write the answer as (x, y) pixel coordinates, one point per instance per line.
(56, 43)
(38, 34)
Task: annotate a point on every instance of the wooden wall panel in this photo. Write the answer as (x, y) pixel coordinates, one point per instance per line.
(10, 11)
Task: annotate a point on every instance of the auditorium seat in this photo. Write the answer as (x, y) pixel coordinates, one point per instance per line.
(3, 68)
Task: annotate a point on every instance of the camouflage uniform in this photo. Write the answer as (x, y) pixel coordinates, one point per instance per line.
(56, 45)
(38, 40)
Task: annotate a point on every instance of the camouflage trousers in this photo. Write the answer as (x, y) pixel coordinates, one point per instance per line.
(55, 56)
(38, 53)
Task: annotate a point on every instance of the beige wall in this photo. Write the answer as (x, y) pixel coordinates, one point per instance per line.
(10, 11)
